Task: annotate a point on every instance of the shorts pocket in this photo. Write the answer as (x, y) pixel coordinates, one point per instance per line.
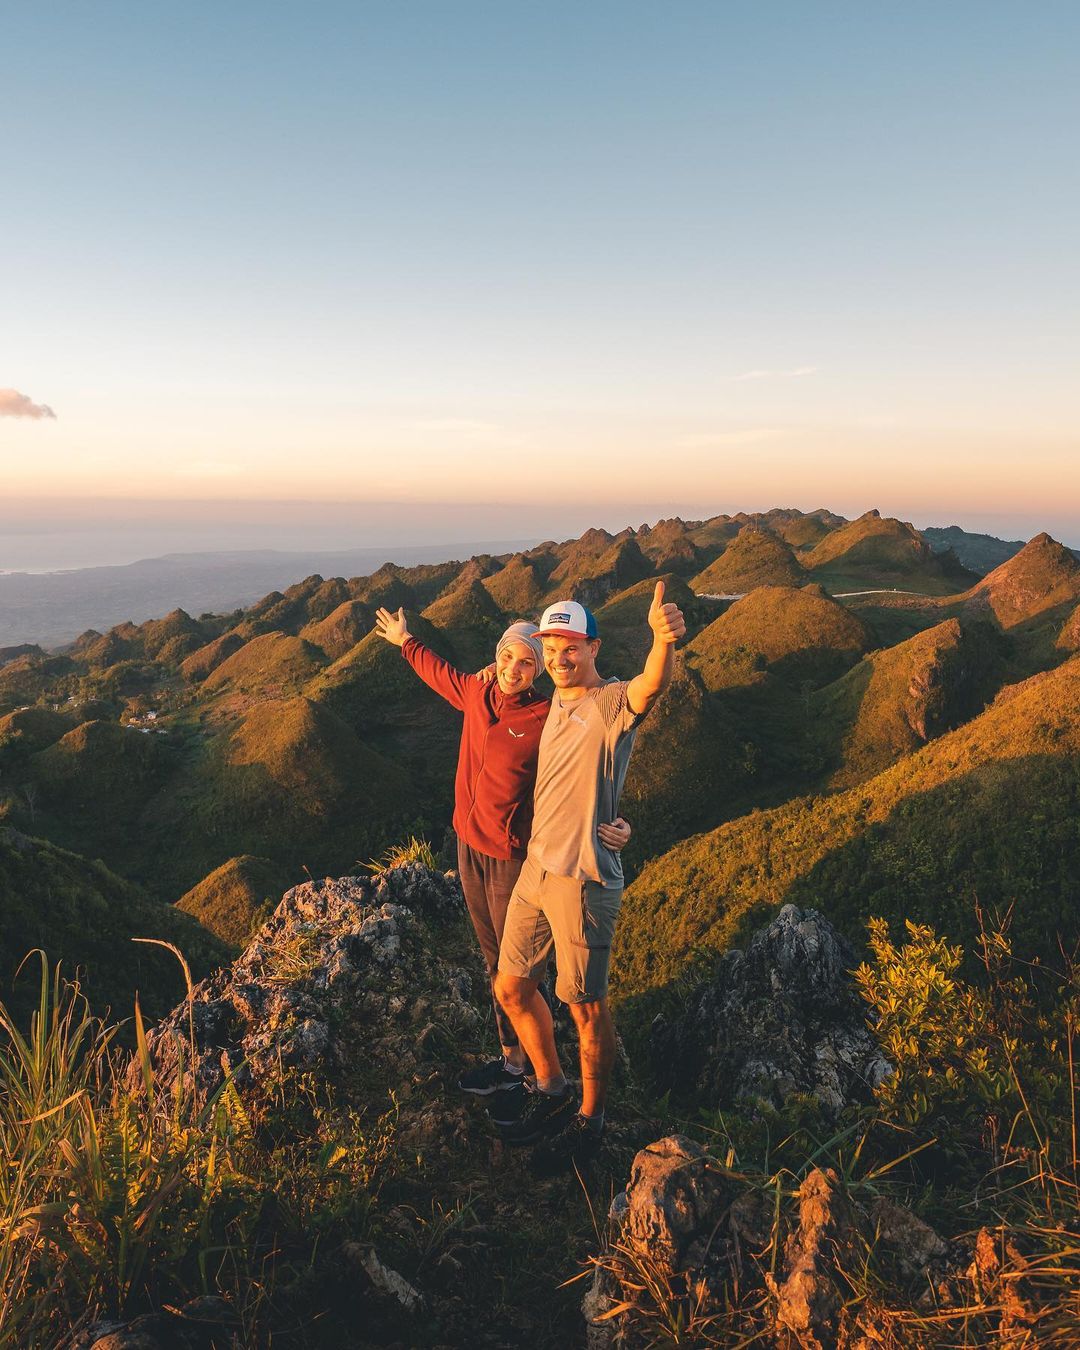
(599, 910)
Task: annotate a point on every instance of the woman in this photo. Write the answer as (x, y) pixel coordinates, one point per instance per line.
(493, 792)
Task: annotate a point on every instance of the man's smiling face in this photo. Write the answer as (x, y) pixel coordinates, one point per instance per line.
(570, 661)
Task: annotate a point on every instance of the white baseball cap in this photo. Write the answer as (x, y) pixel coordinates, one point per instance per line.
(566, 618)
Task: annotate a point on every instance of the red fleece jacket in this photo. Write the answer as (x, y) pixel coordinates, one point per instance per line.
(500, 742)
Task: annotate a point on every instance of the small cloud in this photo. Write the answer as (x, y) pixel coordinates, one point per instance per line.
(794, 374)
(14, 404)
(717, 440)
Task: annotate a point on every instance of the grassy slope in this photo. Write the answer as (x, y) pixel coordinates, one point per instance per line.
(898, 698)
(292, 781)
(801, 633)
(235, 898)
(989, 810)
(84, 914)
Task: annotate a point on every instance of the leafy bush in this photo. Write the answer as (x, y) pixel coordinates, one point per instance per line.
(986, 1066)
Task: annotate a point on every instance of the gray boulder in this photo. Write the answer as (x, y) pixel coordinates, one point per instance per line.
(780, 1018)
(343, 976)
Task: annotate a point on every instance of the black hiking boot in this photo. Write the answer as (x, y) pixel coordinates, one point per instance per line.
(491, 1077)
(542, 1114)
(505, 1108)
(576, 1146)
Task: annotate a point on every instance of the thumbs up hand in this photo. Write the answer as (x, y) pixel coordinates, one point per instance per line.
(666, 620)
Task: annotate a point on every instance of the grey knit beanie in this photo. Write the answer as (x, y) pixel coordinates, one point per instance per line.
(523, 631)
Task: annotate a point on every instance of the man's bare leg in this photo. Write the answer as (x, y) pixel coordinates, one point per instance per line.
(596, 1039)
(531, 1018)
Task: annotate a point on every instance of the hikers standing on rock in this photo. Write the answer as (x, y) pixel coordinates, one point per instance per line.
(569, 891)
(493, 804)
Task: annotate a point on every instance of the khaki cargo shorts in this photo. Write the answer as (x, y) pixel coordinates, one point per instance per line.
(576, 917)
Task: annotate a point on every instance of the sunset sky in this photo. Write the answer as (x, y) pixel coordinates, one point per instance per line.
(616, 258)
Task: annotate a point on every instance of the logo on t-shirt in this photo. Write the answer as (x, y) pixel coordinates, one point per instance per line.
(518, 734)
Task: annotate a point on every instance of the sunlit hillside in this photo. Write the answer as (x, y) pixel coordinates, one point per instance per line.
(988, 813)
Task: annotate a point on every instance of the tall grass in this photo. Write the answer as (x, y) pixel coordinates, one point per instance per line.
(121, 1192)
(400, 855)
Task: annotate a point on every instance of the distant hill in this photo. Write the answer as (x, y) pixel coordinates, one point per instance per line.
(1044, 575)
(797, 631)
(519, 588)
(898, 698)
(235, 898)
(801, 531)
(598, 566)
(881, 551)
(670, 547)
(755, 557)
(979, 553)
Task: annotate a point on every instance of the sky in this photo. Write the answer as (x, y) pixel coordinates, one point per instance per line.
(488, 269)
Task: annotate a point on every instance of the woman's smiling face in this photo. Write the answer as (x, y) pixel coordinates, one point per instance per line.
(515, 668)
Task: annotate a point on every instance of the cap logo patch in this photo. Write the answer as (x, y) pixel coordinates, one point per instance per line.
(558, 618)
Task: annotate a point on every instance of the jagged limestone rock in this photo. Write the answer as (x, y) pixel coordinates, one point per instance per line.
(678, 1217)
(701, 1231)
(339, 978)
(781, 1017)
(809, 1302)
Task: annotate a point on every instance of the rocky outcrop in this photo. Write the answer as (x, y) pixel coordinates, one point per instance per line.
(939, 690)
(720, 1251)
(341, 978)
(777, 1019)
(687, 1219)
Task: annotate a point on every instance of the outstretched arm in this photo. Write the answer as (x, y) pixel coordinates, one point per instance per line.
(668, 625)
(438, 674)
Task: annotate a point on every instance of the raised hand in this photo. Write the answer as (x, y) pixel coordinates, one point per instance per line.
(486, 675)
(392, 626)
(665, 620)
(615, 836)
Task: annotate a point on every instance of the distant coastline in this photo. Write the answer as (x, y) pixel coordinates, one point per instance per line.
(53, 607)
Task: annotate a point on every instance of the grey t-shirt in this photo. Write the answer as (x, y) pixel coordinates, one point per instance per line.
(584, 754)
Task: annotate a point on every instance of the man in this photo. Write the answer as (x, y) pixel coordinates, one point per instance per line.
(569, 890)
